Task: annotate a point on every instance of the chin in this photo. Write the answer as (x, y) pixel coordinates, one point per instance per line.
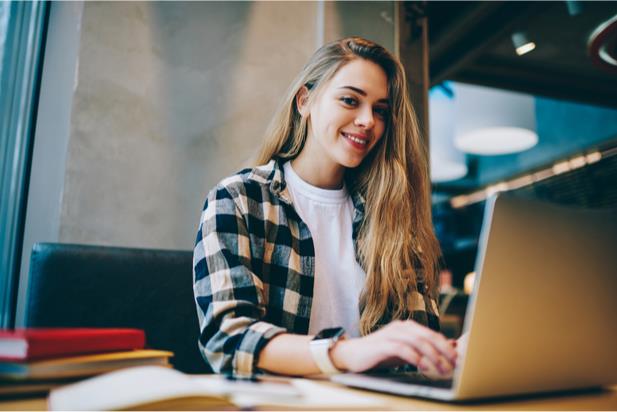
(350, 163)
(347, 157)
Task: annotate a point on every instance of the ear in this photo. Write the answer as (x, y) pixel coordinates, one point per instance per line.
(302, 101)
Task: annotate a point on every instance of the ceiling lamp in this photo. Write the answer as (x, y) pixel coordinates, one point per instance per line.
(602, 44)
(447, 162)
(522, 45)
(493, 122)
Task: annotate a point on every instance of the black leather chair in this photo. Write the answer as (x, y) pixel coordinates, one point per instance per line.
(94, 286)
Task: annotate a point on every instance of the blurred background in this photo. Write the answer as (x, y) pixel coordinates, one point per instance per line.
(117, 118)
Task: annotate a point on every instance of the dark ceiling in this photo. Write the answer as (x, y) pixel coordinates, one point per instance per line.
(471, 42)
(576, 104)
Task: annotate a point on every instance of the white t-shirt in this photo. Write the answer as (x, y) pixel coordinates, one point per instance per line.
(338, 276)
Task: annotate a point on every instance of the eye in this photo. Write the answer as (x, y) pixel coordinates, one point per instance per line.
(381, 112)
(349, 101)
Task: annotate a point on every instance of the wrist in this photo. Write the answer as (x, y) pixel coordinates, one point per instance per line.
(337, 355)
(321, 348)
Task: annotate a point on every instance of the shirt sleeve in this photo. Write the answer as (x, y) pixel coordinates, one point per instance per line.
(229, 296)
(432, 306)
(425, 308)
(431, 299)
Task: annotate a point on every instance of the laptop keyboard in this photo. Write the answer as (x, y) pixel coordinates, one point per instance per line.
(413, 378)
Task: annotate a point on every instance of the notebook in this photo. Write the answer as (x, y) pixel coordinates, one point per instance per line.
(81, 365)
(28, 344)
(541, 317)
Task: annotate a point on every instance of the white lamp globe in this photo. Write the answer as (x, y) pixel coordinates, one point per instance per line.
(493, 122)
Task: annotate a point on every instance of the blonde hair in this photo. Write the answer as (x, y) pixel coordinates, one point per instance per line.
(396, 242)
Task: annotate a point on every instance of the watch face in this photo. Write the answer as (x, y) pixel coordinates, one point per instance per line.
(329, 333)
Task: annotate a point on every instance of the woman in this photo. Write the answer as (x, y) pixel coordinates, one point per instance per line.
(323, 257)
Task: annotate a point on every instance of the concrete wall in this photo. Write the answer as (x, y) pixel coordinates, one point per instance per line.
(150, 104)
(171, 98)
(373, 20)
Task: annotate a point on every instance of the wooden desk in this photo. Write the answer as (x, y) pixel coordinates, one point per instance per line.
(601, 400)
(596, 400)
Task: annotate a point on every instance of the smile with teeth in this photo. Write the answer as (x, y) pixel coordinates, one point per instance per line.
(355, 139)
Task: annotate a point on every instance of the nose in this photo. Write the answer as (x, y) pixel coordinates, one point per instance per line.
(365, 118)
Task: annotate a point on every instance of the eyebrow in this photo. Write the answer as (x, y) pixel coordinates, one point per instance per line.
(361, 92)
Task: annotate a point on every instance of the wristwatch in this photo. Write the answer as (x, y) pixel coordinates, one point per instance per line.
(320, 349)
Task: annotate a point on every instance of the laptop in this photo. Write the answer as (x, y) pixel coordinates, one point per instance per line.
(541, 317)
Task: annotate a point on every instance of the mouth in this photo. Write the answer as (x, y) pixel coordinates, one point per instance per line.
(356, 140)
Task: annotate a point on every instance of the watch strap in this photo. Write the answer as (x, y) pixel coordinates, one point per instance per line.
(320, 350)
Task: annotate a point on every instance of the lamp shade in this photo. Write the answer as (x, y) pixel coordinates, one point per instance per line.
(447, 162)
(493, 122)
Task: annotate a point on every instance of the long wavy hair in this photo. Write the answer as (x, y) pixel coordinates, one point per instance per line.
(396, 242)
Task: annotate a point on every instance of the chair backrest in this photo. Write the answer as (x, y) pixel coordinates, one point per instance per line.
(95, 286)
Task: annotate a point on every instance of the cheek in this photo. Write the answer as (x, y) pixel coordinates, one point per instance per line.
(322, 119)
(379, 134)
(380, 128)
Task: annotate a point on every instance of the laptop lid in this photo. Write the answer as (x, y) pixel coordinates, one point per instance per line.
(541, 317)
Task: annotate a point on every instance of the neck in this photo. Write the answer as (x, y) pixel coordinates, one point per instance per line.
(321, 172)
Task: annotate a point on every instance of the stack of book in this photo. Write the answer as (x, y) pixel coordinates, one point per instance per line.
(37, 360)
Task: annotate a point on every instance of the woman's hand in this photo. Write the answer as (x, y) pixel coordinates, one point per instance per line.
(398, 343)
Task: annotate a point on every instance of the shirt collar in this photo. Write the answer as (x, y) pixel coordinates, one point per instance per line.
(272, 174)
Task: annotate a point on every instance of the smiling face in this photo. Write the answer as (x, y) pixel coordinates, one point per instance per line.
(348, 116)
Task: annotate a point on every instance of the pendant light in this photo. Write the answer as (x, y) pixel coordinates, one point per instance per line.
(493, 122)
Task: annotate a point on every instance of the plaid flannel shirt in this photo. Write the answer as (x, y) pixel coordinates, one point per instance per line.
(253, 267)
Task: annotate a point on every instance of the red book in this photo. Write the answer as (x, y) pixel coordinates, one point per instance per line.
(38, 343)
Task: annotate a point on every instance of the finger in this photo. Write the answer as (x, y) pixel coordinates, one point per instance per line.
(426, 350)
(441, 344)
(427, 367)
(433, 371)
(439, 341)
(413, 334)
(444, 366)
(405, 353)
(423, 339)
(438, 359)
(408, 354)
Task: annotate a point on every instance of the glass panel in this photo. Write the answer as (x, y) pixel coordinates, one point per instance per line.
(21, 36)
